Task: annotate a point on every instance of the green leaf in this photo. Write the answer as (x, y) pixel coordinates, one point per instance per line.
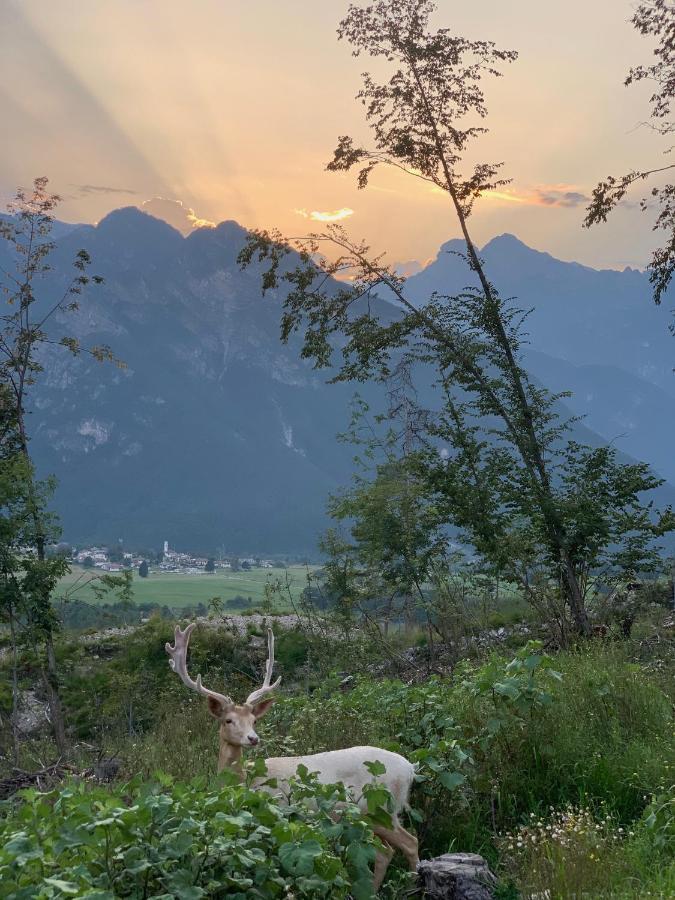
(507, 689)
(375, 767)
(298, 859)
(66, 887)
(532, 662)
(360, 855)
(376, 798)
(451, 780)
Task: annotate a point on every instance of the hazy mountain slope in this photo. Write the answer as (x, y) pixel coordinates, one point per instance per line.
(627, 411)
(596, 333)
(215, 434)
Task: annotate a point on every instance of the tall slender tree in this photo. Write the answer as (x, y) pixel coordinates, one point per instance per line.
(25, 320)
(502, 482)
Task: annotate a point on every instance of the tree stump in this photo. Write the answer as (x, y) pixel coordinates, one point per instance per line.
(456, 876)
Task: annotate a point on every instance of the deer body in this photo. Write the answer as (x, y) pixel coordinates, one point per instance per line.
(348, 767)
(237, 731)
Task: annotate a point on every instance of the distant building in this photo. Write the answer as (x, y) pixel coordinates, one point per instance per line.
(96, 553)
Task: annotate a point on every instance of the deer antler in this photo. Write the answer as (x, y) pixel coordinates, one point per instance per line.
(266, 686)
(178, 663)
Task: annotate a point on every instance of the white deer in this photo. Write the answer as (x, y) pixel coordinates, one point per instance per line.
(237, 730)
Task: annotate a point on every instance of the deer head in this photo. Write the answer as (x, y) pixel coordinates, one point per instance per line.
(237, 722)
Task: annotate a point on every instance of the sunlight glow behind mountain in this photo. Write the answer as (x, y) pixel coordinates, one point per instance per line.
(234, 109)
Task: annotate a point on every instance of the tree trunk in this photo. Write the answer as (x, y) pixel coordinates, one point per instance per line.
(574, 597)
(50, 673)
(527, 444)
(15, 689)
(51, 683)
(456, 876)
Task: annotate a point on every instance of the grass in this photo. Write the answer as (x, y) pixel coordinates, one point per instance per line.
(587, 762)
(178, 591)
(554, 782)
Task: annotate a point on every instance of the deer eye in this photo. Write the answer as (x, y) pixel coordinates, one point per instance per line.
(228, 721)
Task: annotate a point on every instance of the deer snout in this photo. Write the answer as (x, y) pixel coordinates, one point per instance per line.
(253, 739)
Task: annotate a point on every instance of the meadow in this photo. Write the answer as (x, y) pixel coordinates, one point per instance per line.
(178, 591)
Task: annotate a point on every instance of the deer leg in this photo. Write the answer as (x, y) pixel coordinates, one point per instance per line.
(400, 839)
(382, 860)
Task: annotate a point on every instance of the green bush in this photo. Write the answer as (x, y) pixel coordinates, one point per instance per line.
(291, 650)
(126, 692)
(495, 743)
(6, 697)
(186, 840)
(598, 732)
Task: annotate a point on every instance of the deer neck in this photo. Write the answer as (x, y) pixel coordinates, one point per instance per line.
(230, 757)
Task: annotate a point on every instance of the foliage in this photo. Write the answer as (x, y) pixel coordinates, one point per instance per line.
(399, 549)
(27, 319)
(513, 736)
(495, 742)
(26, 580)
(578, 852)
(495, 459)
(76, 615)
(660, 819)
(520, 690)
(653, 19)
(196, 839)
(120, 693)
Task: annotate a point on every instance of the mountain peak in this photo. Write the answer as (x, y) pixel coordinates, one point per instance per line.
(454, 245)
(507, 242)
(230, 228)
(225, 231)
(131, 219)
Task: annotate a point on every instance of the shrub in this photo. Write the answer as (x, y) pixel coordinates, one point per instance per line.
(660, 819)
(292, 650)
(509, 738)
(128, 692)
(187, 840)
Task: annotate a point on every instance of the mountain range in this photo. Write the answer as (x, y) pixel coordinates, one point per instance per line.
(593, 332)
(217, 435)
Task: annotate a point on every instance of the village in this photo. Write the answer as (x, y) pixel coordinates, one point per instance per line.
(168, 561)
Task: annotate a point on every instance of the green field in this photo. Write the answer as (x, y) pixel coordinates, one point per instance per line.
(188, 590)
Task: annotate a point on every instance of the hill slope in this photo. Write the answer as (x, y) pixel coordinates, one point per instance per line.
(596, 333)
(217, 435)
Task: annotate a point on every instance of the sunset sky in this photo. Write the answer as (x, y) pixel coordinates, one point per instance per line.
(233, 109)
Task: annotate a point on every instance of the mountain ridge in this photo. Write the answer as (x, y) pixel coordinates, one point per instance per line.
(216, 434)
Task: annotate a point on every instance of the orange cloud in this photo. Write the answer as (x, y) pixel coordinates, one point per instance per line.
(335, 216)
(561, 195)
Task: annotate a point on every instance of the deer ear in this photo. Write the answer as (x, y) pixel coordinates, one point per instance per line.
(216, 707)
(261, 708)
